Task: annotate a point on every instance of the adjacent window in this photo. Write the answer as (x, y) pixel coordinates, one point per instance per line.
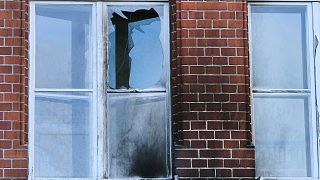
(283, 89)
(99, 90)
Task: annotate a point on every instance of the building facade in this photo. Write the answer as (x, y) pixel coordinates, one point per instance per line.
(208, 112)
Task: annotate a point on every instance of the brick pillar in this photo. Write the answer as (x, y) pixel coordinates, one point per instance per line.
(13, 88)
(212, 90)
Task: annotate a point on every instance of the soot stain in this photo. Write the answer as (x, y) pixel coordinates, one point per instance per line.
(149, 161)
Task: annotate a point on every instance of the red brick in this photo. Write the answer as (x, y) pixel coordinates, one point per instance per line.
(212, 42)
(220, 23)
(13, 5)
(188, 23)
(215, 154)
(5, 14)
(196, 33)
(5, 50)
(15, 153)
(5, 88)
(231, 144)
(247, 163)
(190, 135)
(236, 6)
(187, 172)
(186, 153)
(198, 144)
(5, 69)
(212, 52)
(5, 125)
(195, 15)
(228, 51)
(199, 163)
(212, 33)
(20, 164)
(211, 15)
(231, 163)
(244, 172)
(188, 5)
(183, 163)
(206, 134)
(223, 172)
(5, 163)
(5, 144)
(204, 24)
(196, 52)
(5, 32)
(207, 173)
(198, 125)
(214, 125)
(15, 172)
(207, 5)
(242, 154)
(214, 144)
(215, 163)
(227, 15)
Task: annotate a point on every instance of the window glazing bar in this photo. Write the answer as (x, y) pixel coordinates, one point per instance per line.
(62, 90)
(281, 91)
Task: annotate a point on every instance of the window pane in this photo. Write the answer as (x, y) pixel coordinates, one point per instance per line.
(282, 136)
(63, 46)
(279, 47)
(62, 135)
(138, 135)
(135, 40)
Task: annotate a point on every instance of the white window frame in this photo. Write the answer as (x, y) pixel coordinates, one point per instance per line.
(99, 89)
(312, 23)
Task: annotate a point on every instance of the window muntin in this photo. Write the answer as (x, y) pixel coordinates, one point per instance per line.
(85, 99)
(283, 89)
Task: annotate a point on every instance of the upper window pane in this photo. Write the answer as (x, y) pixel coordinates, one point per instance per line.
(135, 44)
(279, 47)
(63, 46)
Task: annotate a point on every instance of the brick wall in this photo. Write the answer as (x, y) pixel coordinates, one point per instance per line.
(13, 85)
(211, 89)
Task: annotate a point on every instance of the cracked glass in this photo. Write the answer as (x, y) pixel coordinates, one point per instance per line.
(135, 46)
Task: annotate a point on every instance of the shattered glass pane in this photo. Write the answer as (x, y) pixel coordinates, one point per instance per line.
(135, 41)
(138, 137)
(63, 34)
(62, 135)
(279, 49)
(282, 137)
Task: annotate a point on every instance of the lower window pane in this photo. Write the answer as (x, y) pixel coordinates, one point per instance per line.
(282, 136)
(138, 135)
(62, 135)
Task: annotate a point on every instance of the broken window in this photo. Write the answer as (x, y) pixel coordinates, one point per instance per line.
(136, 59)
(138, 118)
(99, 70)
